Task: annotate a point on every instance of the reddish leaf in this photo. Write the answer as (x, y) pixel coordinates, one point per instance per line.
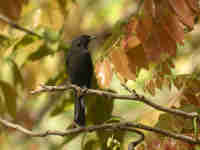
(149, 8)
(131, 26)
(121, 64)
(156, 42)
(169, 22)
(194, 5)
(12, 8)
(136, 59)
(183, 12)
(104, 73)
(144, 28)
(130, 40)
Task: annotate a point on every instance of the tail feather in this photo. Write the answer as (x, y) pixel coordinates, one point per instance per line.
(79, 113)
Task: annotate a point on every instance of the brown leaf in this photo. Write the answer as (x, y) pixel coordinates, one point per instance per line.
(130, 40)
(12, 8)
(184, 13)
(160, 27)
(136, 58)
(194, 5)
(144, 28)
(149, 8)
(191, 89)
(159, 42)
(121, 65)
(154, 39)
(104, 73)
(170, 22)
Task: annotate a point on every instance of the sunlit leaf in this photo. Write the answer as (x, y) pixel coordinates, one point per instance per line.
(197, 147)
(65, 105)
(43, 51)
(5, 41)
(57, 79)
(12, 8)
(51, 35)
(195, 124)
(104, 73)
(10, 95)
(26, 40)
(2, 104)
(18, 79)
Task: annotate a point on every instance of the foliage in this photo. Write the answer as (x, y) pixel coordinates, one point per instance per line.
(154, 52)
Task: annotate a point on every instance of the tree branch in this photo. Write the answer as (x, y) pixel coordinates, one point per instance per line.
(18, 27)
(128, 126)
(134, 97)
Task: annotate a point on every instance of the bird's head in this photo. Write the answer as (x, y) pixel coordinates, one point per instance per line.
(82, 41)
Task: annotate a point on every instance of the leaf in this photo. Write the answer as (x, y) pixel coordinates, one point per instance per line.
(4, 41)
(12, 8)
(57, 79)
(42, 51)
(26, 40)
(18, 79)
(194, 5)
(195, 124)
(104, 73)
(2, 104)
(91, 144)
(53, 38)
(170, 22)
(164, 43)
(51, 35)
(10, 96)
(121, 64)
(182, 10)
(197, 147)
(62, 106)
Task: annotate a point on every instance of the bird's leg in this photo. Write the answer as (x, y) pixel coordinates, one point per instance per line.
(84, 90)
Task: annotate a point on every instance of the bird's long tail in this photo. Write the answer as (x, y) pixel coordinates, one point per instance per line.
(79, 112)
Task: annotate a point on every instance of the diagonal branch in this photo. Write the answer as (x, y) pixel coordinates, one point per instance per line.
(18, 27)
(133, 97)
(128, 126)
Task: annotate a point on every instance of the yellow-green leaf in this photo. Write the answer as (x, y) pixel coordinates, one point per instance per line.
(18, 79)
(10, 95)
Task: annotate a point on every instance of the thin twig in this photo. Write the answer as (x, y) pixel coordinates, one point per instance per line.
(133, 97)
(124, 125)
(18, 27)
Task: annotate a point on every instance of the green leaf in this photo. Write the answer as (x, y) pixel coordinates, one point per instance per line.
(18, 79)
(197, 147)
(63, 46)
(10, 96)
(25, 41)
(195, 124)
(51, 35)
(57, 79)
(62, 106)
(113, 143)
(5, 41)
(43, 51)
(2, 104)
(53, 38)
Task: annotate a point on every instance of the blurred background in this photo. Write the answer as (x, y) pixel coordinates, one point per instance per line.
(27, 61)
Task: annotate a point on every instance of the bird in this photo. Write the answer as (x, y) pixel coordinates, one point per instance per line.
(80, 72)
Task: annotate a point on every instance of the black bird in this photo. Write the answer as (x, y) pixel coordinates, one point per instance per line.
(80, 70)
